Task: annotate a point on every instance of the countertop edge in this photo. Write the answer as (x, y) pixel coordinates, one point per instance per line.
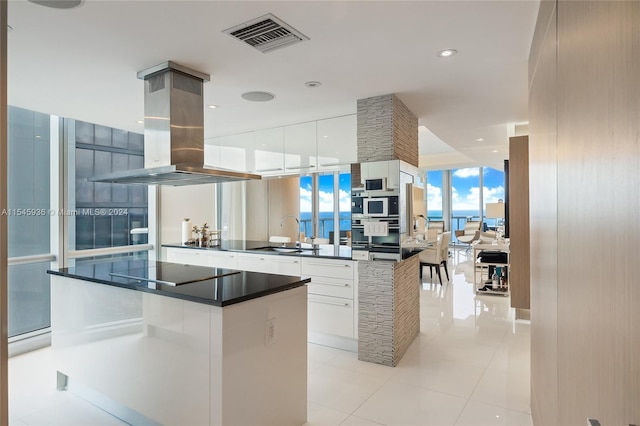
(301, 281)
(275, 253)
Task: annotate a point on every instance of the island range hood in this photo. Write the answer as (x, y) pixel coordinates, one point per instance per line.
(173, 132)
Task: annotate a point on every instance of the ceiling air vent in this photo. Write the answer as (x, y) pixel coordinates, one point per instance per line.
(266, 33)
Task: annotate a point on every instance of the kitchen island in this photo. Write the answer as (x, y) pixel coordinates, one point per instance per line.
(333, 290)
(162, 343)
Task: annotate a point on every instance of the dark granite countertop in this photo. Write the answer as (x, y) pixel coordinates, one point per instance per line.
(194, 283)
(306, 250)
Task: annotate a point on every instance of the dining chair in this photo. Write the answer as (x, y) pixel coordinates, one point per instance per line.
(436, 256)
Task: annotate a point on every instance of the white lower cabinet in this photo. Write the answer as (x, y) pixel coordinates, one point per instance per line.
(214, 259)
(187, 257)
(269, 264)
(332, 292)
(330, 315)
(333, 310)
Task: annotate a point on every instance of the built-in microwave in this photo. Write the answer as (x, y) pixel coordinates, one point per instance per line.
(375, 207)
(378, 184)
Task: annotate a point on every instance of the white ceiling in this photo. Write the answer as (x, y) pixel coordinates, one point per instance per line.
(82, 63)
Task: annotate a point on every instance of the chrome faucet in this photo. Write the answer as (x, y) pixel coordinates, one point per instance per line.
(297, 221)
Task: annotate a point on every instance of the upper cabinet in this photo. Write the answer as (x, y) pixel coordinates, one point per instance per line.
(234, 152)
(323, 145)
(269, 151)
(389, 169)
(337, 142)
(300, 148)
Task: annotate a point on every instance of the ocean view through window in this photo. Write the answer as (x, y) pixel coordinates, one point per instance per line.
(320, 202)
(463, 197)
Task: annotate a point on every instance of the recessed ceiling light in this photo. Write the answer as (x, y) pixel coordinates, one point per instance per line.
(325, 136)
(479, 140)
(213, 106)
(37, 136)
(446, 53)
(313, 84)
(58, 4)
(258, 96)
(140, 121)
(495, 150)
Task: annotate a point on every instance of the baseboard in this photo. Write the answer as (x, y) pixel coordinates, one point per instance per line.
(338, 342)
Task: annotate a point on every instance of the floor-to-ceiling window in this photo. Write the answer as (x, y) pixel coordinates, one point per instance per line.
(455, 196)
(434, 194)
(492, 192)
(94, 217)
(306, 205)
(105, 215)
(29, 216)
(325, 206)
(465, 197)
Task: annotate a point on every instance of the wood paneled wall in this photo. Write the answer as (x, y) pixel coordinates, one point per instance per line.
(585, 151)
(519, 222)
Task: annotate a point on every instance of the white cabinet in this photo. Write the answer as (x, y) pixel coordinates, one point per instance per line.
(222, 259)
(187, 256)
(393, 177)
(330, 315)
(378, 169)
(337, 142)
(215, 259)
(300, 148)
(269, 264)
(269, 151)
(332, 300)
(332, 292)
(234, 152)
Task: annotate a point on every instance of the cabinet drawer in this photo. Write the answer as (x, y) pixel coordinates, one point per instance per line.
(283, 265)
(223, 259)
(335, 287)
(187, 257)
(330, 315)
(331, 268)
(267, 264)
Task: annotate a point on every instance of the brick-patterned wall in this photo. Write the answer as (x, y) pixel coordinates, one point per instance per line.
(406, 295)
(389, 309)
(387, 130)
(375, 312)
(405, 133)
(375, 129)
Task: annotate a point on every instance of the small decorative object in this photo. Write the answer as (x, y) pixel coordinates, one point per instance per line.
(201, 235)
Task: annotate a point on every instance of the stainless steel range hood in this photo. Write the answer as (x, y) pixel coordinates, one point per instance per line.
(173, 132)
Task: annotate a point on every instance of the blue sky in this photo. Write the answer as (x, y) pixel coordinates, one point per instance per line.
(466, 188)
(326, 193)
(465, 192)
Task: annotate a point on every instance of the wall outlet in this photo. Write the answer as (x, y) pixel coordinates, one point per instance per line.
(270, 331)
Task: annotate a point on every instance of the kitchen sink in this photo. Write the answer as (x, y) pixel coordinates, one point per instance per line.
(277, 249)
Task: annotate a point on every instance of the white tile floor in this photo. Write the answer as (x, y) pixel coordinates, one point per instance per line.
(469, 366)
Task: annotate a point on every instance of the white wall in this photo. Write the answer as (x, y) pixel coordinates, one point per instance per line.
(197, 202)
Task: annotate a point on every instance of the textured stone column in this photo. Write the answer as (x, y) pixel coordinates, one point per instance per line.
(387, 130)
(389, 309)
